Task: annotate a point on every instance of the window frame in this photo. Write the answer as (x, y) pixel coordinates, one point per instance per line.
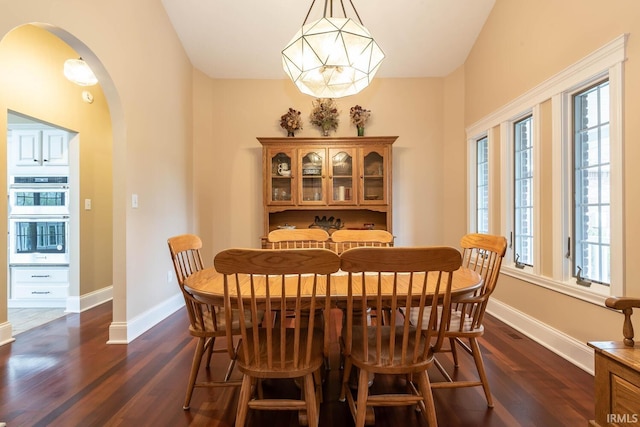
(604, 63)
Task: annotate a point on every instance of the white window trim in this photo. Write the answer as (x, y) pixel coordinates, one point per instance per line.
(507, 203)
(472, 189)
(604, 62)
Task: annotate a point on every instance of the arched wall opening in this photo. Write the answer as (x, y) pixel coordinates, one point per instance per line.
(32, 83)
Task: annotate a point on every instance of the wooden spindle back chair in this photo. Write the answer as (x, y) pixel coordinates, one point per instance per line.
(482, 253)
(279, 349)
(397, 347)
(206, 322)
(347, 239)
(297, 238)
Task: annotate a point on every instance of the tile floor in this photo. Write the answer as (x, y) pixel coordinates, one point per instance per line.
(23, 319)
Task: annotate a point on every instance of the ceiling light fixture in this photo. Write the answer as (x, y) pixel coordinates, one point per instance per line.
(332, 57)
(78, 72)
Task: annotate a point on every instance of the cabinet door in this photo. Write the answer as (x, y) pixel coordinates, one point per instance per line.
(342, 176)
(281, 188)
(312, 173)
(55, 148)
(26, 148)
(374, 176)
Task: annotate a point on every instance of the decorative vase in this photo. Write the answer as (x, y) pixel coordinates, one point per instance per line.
(325, 132)
(290, 133)
(360, 130)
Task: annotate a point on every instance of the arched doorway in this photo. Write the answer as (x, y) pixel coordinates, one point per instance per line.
(32, 83)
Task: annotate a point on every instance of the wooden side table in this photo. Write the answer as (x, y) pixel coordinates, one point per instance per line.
(617, 384)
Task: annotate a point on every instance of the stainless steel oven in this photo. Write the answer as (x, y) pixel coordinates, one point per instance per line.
(39, 240)
(38, 220)
(39, 195)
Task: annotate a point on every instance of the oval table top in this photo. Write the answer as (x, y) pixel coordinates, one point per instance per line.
(208, 284)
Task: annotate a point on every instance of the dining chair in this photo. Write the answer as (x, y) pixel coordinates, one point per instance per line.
(346, 239)
(399, 347)
(206, 322)
(290, 238)
(482, 253)
(282, 350)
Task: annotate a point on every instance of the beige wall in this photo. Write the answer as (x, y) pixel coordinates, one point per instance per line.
(230, 114)
(146, 79)
(522, 44)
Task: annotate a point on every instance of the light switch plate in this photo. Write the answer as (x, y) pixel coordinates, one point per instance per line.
(134, 201)
(87, 204)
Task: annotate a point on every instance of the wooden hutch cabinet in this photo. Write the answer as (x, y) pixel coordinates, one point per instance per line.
(336, 182)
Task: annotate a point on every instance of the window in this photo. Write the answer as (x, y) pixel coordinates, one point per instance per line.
(559, 183)
(523, 192)
(482, 185)
(591, 203)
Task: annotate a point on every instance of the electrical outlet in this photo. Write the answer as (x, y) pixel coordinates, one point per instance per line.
(169, 276)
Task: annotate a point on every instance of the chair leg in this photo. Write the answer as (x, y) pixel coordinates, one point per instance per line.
(477, 357)
(427, 396)
(454, 351)
(243, 401)
(232, 363)
(195, 367)
(310, 399)
(209, 346)
(363, 395)
(443, 371)
(346, 373)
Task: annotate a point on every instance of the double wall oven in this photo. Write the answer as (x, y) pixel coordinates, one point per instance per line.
(38, 220)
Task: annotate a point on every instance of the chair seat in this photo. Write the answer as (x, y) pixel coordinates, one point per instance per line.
(221, 327)
(462, 326)
(459, 325)
(387, 360)
(287, 369)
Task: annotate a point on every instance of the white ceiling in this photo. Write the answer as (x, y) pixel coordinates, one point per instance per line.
(242, 39)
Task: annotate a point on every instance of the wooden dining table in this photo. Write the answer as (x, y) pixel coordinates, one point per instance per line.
(208, 285)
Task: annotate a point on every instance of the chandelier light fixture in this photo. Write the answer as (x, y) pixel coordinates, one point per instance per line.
(332, 57)
(79, 72)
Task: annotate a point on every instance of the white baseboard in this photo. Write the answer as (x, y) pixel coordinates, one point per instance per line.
(560, 343)
(6, 333)
(90, 300)
(125, 332)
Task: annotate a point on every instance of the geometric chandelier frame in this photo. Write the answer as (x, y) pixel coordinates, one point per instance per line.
(332, 57)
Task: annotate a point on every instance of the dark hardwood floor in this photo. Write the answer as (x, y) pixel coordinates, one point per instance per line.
(64, 374)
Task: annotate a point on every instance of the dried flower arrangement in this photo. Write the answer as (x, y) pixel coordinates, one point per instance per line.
(325, 114)
(291, 121)
(359, 115)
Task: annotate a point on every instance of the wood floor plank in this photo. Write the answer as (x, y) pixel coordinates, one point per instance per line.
(64, 374)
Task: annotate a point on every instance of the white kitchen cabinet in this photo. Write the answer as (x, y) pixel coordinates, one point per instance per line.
(37, 148)
(35, 286)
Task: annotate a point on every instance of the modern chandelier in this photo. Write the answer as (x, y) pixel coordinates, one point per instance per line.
(332, 57)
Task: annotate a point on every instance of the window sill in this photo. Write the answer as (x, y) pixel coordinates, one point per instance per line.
(596, 294)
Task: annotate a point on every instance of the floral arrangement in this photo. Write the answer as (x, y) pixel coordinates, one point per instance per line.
(324, 114)
(291, 120)
(359, 116)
